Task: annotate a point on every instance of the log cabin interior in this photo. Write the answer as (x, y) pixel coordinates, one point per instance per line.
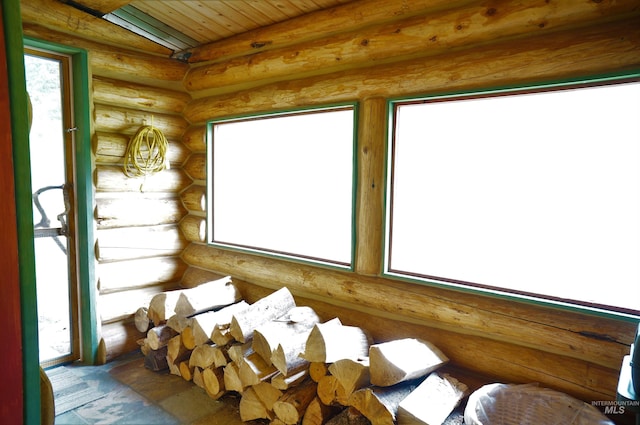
(192, 69)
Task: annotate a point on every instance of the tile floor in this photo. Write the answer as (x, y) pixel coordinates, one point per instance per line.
(137, 395)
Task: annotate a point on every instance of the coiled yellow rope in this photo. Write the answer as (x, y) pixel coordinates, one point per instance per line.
(146, 152)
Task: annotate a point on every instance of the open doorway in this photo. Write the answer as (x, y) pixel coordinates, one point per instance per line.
(48, 77)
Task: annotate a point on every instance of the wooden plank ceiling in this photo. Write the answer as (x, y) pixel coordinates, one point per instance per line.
(207, 21)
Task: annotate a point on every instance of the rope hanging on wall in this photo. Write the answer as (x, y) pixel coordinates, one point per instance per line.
(146, 152)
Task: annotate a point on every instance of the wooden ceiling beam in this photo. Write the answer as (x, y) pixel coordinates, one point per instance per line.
(101, 6)
(315, 25)
(57, 16)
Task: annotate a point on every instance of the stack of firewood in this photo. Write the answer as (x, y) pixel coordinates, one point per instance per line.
(288, 366)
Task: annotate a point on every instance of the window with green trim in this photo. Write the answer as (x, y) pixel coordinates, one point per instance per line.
(283, 184)
(533, 193)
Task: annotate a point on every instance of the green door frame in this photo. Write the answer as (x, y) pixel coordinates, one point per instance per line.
(84, 194)
(15, 43)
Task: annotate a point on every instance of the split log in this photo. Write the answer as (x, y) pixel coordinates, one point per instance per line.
(267, 308)
(332, 341)
(267, 394)
(288, 359)
(187, 337)
(238, 351)
(137, 210)
(251, 407)
(178, 323)
(318, 413)
(208, 296)
(141, 319)
(162, 305)
(289, 331)
(194, 228)
(291, 406)
(232, 380)
(176, 354)
(349, 416)
(186, 371)
(402, 360)
(351, 374)
(204, 356)
(156, 360)
(317, 370)
(331, 392)
(284, 382)
(214, 382)
(197, 377)
(221, 335)
(159, 336)
(380, 404)
(432, 401)
(203, 325)
(253, 370)
(194, 198)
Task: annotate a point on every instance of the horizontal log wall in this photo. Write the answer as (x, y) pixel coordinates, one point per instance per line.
(462, 46)
(138, 235)
(139, 239)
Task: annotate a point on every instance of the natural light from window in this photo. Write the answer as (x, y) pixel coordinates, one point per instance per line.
(284, 184)
(536, 193)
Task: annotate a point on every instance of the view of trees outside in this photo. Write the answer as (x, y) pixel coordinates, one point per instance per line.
(47, 169)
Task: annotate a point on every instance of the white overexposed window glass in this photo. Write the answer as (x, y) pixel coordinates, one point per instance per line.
(284, 184)
(534, 193)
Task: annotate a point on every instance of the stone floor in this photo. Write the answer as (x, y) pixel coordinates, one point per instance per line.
(133, 394)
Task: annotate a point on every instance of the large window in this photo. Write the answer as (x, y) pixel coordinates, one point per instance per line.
(530, 193)
(284, 183)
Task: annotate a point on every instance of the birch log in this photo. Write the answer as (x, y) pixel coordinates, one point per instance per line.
(380, 404)
(332, 341)
(208, 296)
(289, 330)
(291, 406)
(402, 360)
(203, 325)
(351, 374)
(267, 308)
(162, 305)
(213, 379)
(432, 401)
